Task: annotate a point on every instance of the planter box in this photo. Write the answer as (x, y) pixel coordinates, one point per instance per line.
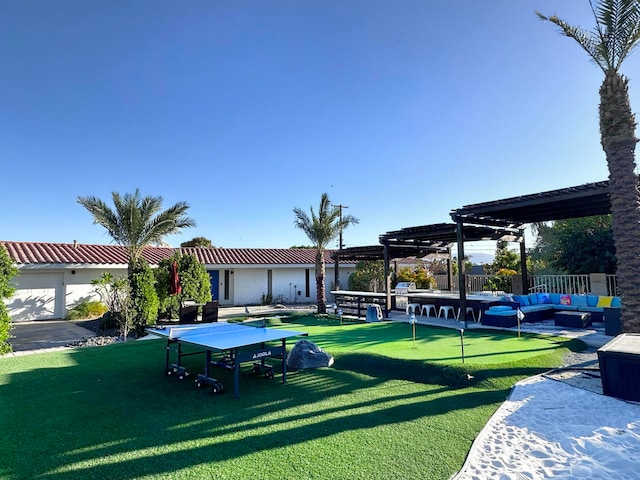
(620, 367)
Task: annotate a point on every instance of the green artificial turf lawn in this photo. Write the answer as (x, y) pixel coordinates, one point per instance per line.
(384, 410)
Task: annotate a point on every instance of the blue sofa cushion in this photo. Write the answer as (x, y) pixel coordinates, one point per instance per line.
(592, 300)
(579, 300)
(536, 308)
(616, 303)
(502, 313)
(500, 308)
(555, 298)
(566, 307)
(533, 298)
(523, 300)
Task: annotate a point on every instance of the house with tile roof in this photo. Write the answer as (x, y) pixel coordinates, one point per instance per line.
(54, 277)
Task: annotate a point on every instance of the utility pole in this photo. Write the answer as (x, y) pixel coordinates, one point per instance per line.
(336, 279)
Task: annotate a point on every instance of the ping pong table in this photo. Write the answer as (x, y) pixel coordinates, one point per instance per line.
(235, 343)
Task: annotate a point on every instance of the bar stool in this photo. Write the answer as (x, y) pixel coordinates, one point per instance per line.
(426, 310)
(446, 309)
(412, 308)
(469, 310)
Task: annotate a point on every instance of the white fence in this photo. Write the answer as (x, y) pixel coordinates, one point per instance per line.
(571, 284)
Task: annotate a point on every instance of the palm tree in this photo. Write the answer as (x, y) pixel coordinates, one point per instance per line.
(615, 36)
(137, 222)
(322, 229)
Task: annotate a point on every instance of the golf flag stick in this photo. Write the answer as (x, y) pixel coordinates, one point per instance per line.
(412, 321)
(462, 343)
(520, 316)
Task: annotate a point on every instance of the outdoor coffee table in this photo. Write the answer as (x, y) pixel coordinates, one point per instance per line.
(572, 319)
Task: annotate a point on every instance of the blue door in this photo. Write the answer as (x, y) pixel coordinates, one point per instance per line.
(214, 276)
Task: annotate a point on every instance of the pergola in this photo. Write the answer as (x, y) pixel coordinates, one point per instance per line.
(572, 202)
(496, 220)
(422, 241)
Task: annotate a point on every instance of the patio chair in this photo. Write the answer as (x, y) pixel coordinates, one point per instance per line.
(210, 312)
(188, 314)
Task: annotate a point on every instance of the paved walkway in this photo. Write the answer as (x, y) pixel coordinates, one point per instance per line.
(50, 335)
(45, 335)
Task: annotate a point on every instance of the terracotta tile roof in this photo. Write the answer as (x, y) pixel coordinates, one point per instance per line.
(255, 256)
(33, 253)
(69, 253)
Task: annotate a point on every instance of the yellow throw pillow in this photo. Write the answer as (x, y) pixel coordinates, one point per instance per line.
(604, 301)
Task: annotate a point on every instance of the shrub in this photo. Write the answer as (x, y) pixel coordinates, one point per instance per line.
(89, 309)
(419, 275)
(143, 297)
(7, 271)
(266, 299)
(194, 281)
(368, 277)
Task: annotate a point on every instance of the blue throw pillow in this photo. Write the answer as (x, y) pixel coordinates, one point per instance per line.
(615, 302)
(592, 300)
(544, 298)
(555, 298)
(533, 298)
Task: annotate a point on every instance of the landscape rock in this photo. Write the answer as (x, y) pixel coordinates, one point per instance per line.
(306, 354)
(94, 341)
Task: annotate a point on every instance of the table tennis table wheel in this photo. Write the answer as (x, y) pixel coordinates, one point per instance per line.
(256, 370)
(269, 373)
(199, 383)
(216, 388)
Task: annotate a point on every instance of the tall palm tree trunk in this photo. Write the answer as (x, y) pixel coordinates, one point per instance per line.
(320, 275)
(617, 130)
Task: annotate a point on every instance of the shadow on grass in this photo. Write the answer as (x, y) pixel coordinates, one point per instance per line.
(112, 413)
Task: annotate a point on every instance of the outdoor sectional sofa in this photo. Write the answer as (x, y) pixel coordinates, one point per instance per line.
(543, 306)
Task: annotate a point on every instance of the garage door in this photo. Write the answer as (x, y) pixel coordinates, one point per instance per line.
(38, 296)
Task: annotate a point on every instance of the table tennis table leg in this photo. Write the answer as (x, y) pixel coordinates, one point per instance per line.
(236, 374)
(284, 360)
(205, 378)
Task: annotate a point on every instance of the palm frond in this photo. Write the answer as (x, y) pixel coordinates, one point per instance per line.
(136, 221)
(591, 42)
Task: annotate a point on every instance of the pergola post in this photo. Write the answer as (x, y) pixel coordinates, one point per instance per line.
(523, 263)
(462, 283)
(387, 275)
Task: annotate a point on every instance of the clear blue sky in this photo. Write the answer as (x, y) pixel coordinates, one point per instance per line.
(400, 110)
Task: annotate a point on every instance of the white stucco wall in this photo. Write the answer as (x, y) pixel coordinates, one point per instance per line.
(46, 292)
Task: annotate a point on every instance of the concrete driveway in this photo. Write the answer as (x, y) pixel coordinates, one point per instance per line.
(45, 334)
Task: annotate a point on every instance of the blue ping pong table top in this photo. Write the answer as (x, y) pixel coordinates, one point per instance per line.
(223, 336)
